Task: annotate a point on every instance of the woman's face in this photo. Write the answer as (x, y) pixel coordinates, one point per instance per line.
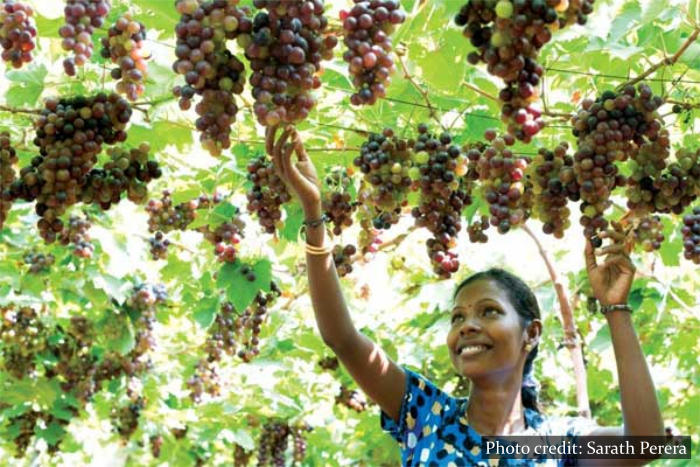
(486, 336)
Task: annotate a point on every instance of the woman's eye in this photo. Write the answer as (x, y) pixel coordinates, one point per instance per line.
(455, 318)
(490, 311)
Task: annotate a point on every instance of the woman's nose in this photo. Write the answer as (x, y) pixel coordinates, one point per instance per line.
(469, 326)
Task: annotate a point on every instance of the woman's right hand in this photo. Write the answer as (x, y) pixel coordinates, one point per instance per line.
(300, 177)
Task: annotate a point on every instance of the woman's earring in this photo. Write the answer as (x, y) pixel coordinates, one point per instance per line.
(528, 347)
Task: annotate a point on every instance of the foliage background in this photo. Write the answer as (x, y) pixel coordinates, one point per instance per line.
(401, 308)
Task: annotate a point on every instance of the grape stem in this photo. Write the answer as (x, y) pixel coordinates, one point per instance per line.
(400, 52)
(666, 61)
(15, 110)
(684, 105)
(479, 91)
(571, 340)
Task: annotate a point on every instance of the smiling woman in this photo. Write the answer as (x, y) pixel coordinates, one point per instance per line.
(493, 337)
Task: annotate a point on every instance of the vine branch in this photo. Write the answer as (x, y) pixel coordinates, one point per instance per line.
(479, 91)
(16, 110)
(571, 339)
(666, 61)
(400, 52)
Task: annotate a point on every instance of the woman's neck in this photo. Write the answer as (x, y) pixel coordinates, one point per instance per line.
(496, 408)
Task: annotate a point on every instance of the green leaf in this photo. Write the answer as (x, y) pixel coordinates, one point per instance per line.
(27, 85)
(205, 311)
(239, 290)
(622, 24)
(118, 333)
(52, 434)
(293, 221)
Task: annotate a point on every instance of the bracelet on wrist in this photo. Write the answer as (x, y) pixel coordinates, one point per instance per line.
(604, 309)
(316, 222)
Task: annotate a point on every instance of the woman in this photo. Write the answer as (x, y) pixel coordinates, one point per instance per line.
(493, 337)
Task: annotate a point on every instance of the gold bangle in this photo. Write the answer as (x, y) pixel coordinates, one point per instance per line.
(318, 251)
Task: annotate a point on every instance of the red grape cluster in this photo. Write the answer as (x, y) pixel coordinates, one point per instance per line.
(368, 26)
(8, 158)
(337, 201)
(267, 195)
(300, 444)
(691, 236)
(204, 379)
(508, 36)
(210, 69)
(76, 234)
(503, 186)
(386, 162)
(655, 186)
(225, 238)
(17, 32)
(610, 129)
(369, 239)
(649, 233)
(476, 230)
(554, 183)
(123, 46)
(351, 399)
(444, 192)
(285, 52)
(39, 262)
(159, 246)
(69, 133)
(273, 442)
(81, 19)
(164, 217)
(343, 258)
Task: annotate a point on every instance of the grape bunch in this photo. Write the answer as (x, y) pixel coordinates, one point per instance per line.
(8, 158)
(369, 237)
(39, 262)
(159, 246)
(125, 419)
(503, 185)
(272, 444)
(476, 230)
(508, 36)
(351, 399)
(23, 336)
(127, 171)
(76, 365)
(612, 129)
(387, 164)
(250, 321)
(70, 134)
(204, 379)
(300, 444)
(658, 186)
(368, 27)
(164, 217)
(267, 194)
(81, 19)
(343, 258)
(123, 47)
(444, 192)
(285, 50)
(337, 201)
(156, 442)
(329, 363)
(17, 32)
(691, 236)
(649, 233)
(76, 234)
(225, 238)
(208, 66)
(553, 184)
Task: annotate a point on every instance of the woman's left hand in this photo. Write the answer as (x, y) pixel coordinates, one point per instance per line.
(611, 281)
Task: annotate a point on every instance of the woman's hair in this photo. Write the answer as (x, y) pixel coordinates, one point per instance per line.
(525, 304)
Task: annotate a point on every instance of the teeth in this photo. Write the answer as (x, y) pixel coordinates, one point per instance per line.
(472, 349)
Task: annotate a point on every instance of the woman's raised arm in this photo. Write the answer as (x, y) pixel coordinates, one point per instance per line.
(378, 376)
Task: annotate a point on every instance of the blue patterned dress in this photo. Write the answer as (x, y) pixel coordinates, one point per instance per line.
(432, 431)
